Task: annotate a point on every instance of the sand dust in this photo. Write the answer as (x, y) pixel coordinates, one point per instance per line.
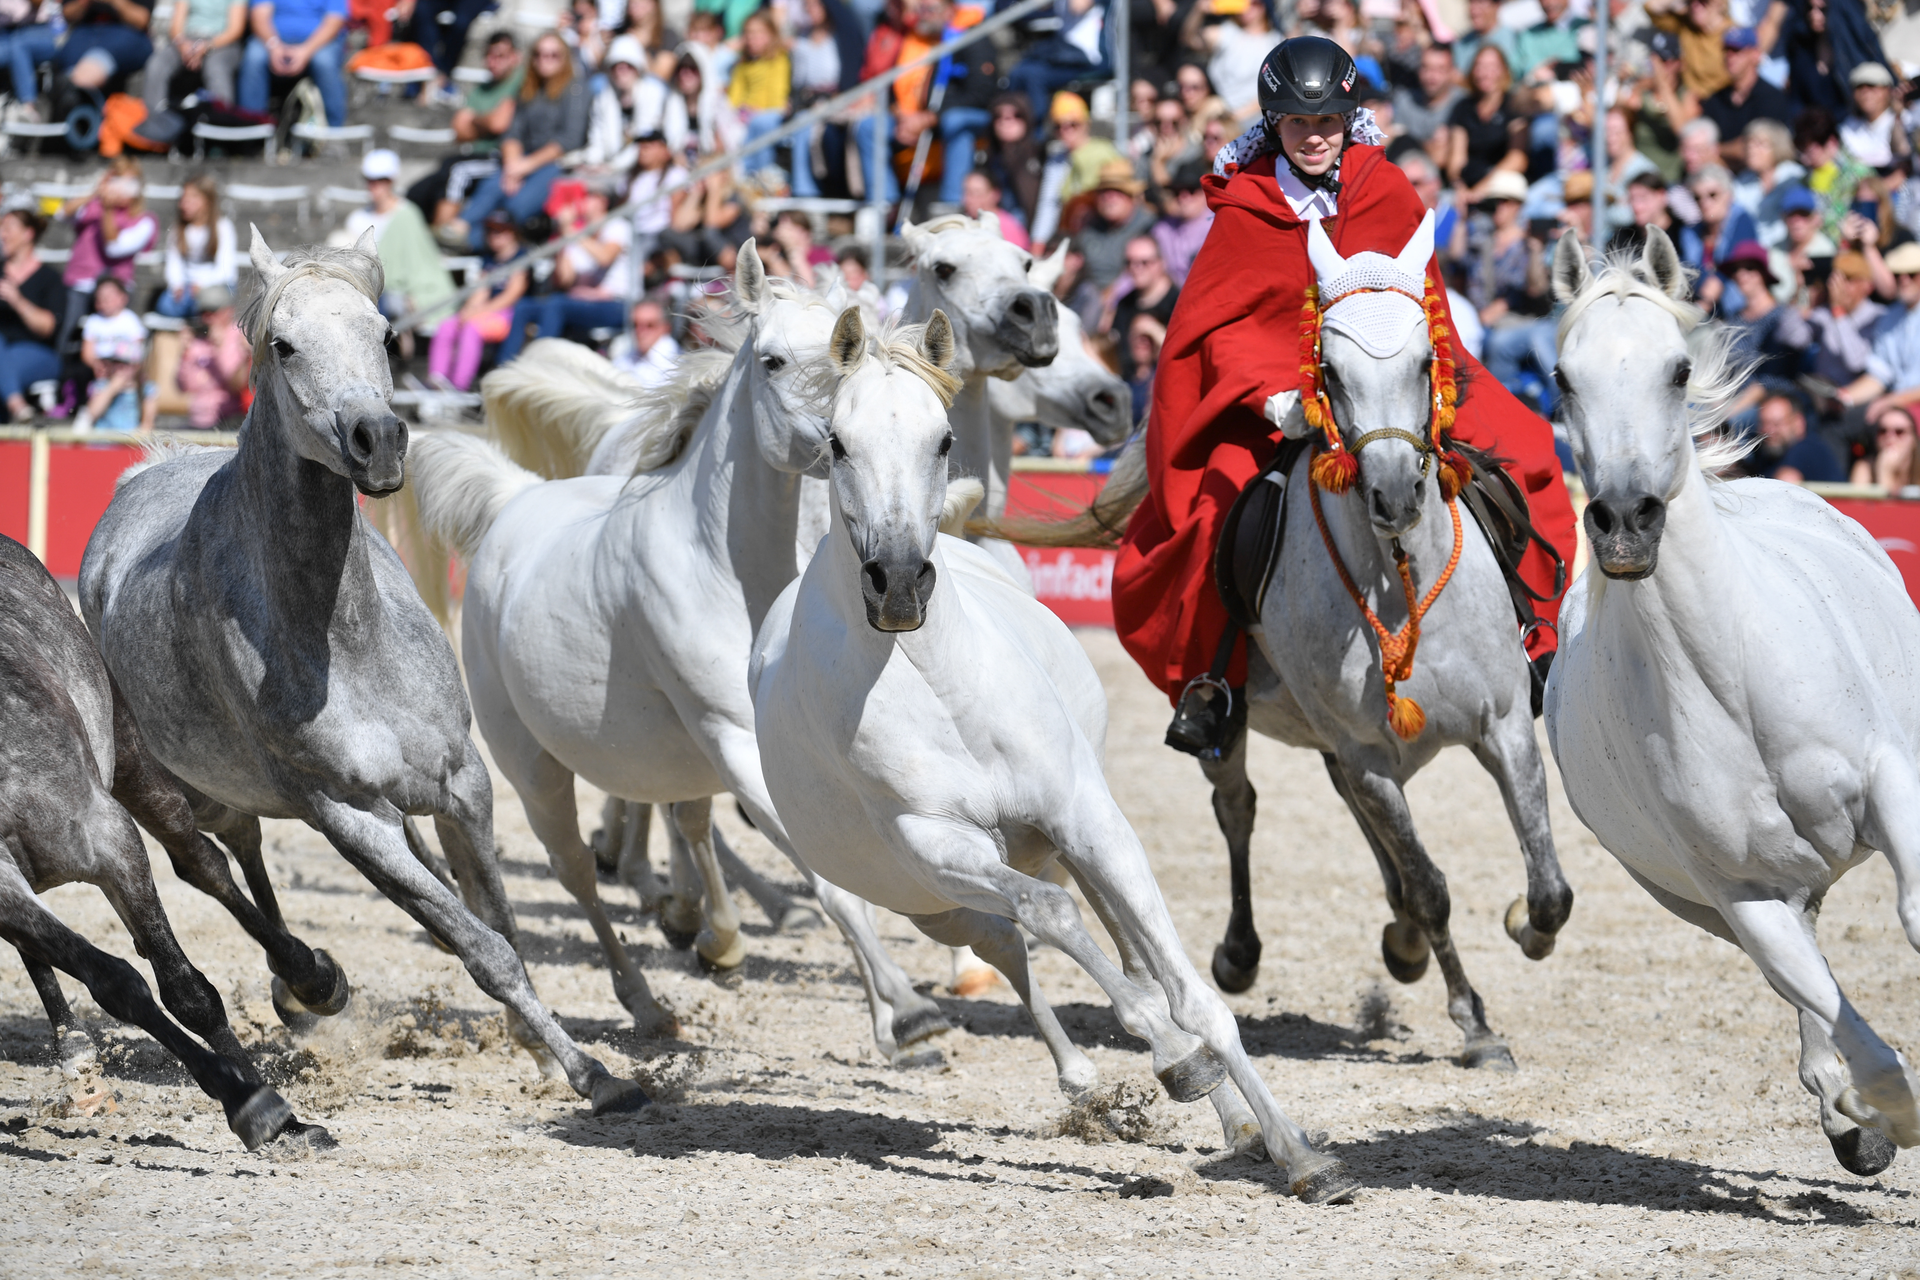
(1656, 1124)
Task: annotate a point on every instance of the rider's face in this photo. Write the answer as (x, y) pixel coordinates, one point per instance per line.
(1313, 142)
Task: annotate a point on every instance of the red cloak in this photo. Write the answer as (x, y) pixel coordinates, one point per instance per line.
(1234, 341)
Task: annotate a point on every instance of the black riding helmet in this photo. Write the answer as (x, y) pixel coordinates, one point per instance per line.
(1308, 76)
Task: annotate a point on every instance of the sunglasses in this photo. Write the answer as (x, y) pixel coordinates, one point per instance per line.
(1895, 432)
(1142, 262)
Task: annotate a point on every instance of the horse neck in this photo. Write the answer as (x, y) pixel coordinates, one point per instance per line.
(982, 442)
(299, 520)
(1689, 605)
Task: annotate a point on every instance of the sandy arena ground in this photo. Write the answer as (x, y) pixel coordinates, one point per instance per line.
(1656, 1124)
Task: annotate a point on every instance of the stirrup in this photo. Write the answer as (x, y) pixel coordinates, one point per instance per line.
(1203, 726)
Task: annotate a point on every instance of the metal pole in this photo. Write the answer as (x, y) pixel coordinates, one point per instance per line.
(39, 460)
(876, 189)
(1601, 168)
(1120, 12)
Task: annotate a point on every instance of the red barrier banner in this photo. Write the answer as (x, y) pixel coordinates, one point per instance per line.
(1895, 525)
(80, 480)
(1076, 583)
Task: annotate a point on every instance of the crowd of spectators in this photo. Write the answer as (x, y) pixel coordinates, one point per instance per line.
(1771, 140)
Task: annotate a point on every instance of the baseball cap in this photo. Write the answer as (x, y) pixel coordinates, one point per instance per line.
(1798, 199)
(1505, 184)
(1067, 106)
(1739, 38)
(380, 163)
(1871, 73)
(626, 49)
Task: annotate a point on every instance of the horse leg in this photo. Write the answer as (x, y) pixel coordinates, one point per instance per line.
(255, 1113)
(608, 841)
(1823, 1073)
(73, 1046)
(1779, 936)
(633, 864)
(378, 849)
(719, 944)
(1403, 944)
(1512, 755)
(1380, 804)
(1236, 960)
(160, 803)
(680, 908)
(1239, 1127)
(782, 911)
(1000, 944)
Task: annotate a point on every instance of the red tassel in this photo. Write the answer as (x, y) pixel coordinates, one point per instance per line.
(1406, 717)
(1335, 470)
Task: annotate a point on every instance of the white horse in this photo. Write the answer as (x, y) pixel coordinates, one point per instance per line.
(932, 735)
(608, 622)
(1736, 704)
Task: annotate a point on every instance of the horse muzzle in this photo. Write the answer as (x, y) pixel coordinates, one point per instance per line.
(1110, 415)
(1624, 534)
(374, 444)
(1395, 511)
(896, 588)
(1030, 328)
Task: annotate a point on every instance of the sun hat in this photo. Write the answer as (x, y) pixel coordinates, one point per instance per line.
(1505, 184)
(1871, 73)
(1068, 106)
(1904, 260)
(1117, 175)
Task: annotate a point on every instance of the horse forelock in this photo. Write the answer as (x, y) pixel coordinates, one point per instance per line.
(346, 264)
(1616, 279)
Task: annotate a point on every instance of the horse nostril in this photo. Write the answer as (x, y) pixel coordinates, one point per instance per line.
(1646, 513)
(1379, 504)
(1107, 401)
(1022, 308)
(1601, 515)
(926, 572)
(876, 577)
(362, 443)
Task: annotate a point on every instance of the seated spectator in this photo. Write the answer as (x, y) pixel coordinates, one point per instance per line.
(816, 77)
(1195, 89)
(1217, 129)
(1872, 134)
(647, 25)
(760, 85)
(631, 102)
(478, 126)
(1145, 337)
(1625, 162)
(579, 26)
(1181, 233)
(1236, 50)
(1552, 40)
(1078, 51)
(1424, 107)
(1756, 326)
(971, 76)
(1700, 27)
(654, 171)
(1449, 228)
(487, 315)
(1787, 452)
(1576, 197)
(440, 27)
(1509, 285)
(1832, 175)
(1805, 239)
(1486, 135)
(1895, 464)
(1484, 31)
(713, 125)
(1767, 170)
(1116, 219)
(549, 120)
(113, 344)
(202, 252)
(708, 223)
(729, 16)
(111, 226)
(216, 363)
(204, 39)
(1172, 142)
(1722, 225)
(1146, 290)
(33, 301)
(650, 351)
(793, 232)
(851, 259)
(1892, 377)
(416, 280)
(1746, 97)
(978, 195)
(27, 43)
(106, 42)
(294, 38)
(1015, 156)
(593, 278)
(1647, 200)
(1087, 156)
(1839, 333)
(707, 40)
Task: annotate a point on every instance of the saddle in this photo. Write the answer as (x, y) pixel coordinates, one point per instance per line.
(1249, 544)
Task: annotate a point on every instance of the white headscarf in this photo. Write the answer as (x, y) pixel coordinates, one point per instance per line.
(1260, 140)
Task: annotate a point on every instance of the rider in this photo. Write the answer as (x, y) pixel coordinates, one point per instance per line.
(1234, 341)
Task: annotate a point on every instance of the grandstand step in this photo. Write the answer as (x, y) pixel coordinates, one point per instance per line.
(425, 137)
(27, 129)
(331, 133)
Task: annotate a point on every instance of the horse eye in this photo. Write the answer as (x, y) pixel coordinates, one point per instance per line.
(944, 270)
(1682, 374)
(282, 348)
(774, 364)
(946, 444)
(839, 450)
(1560, 381)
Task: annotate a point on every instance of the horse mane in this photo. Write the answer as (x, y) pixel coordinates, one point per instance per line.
(345, 263)
(1717, 375)
(896, 347)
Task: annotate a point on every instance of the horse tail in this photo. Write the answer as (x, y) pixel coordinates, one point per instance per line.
(550, 408)
(1099, 525)
(461, 483)
(397, 517)
(963, 495)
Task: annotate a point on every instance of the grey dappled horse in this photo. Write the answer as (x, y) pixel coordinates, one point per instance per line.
(73, 779)
(277, 658)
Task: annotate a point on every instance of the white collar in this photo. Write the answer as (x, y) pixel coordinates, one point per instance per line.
(1308, 202)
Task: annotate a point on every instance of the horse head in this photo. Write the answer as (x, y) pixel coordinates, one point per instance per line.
(1624, 376)
(1375, 355)
(1076, 389)
(787, 336)
(967, 269)
(888, 465)
(320, 357)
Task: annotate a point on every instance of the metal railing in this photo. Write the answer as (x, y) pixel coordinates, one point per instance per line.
(874, 88)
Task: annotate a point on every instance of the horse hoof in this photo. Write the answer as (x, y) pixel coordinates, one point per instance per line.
(260, 1119)
(76, 1053)
(976, 981)
(912, 1027)
(1194, 1076)
(1863, 1151)
(1405, 972)
(1230, 977)
(1488, 1055)
(293, 1015)
(308, 1138)
(677, 938)
(799, 919)
(654, 1020)
(916, 1059)
(717, 959)
(1533, 944)
(331, 985)
(1329, 1183)
(613, 1096)
(1249, 1141)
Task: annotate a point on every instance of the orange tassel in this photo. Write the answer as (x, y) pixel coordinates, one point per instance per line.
(1335, 470)
(1454, 475)
(1406, 717)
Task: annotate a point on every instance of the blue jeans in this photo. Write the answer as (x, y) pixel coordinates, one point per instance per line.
(1509, 346)
(873, 135)
(561, 315)
(445, 43)
(958, 125)
(1052, 64)
(21, 365)
(128, 49)
(181, 306)
(759, 125)
(525, 312)
(326, 69)
(521, 205)
(25, 50)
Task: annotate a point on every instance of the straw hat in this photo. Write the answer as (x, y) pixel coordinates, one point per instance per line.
(1117, 175)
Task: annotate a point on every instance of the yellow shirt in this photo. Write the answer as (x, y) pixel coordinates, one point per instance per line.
(762, 84)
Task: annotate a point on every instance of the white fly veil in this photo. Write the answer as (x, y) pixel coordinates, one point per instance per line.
(1375, 298)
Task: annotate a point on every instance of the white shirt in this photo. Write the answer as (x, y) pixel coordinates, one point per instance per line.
(616, 278)
(651, 369)
(1307, 202)
(1235, 65)
(122, 337)
(653, 215)
(195, 268)
(1870, 141)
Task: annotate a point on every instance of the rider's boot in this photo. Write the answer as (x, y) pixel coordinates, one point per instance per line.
(1209, 718)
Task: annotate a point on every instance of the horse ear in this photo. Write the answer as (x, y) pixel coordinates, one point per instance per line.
(1570, 271)
(915, 238)
(848, 346)
(1327, 262)
(1660, 266)
(1045, 273)
(990, 223)
(368, 244)
(936, 344)
(264, 263)
(750, 278)
(1419, 251)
